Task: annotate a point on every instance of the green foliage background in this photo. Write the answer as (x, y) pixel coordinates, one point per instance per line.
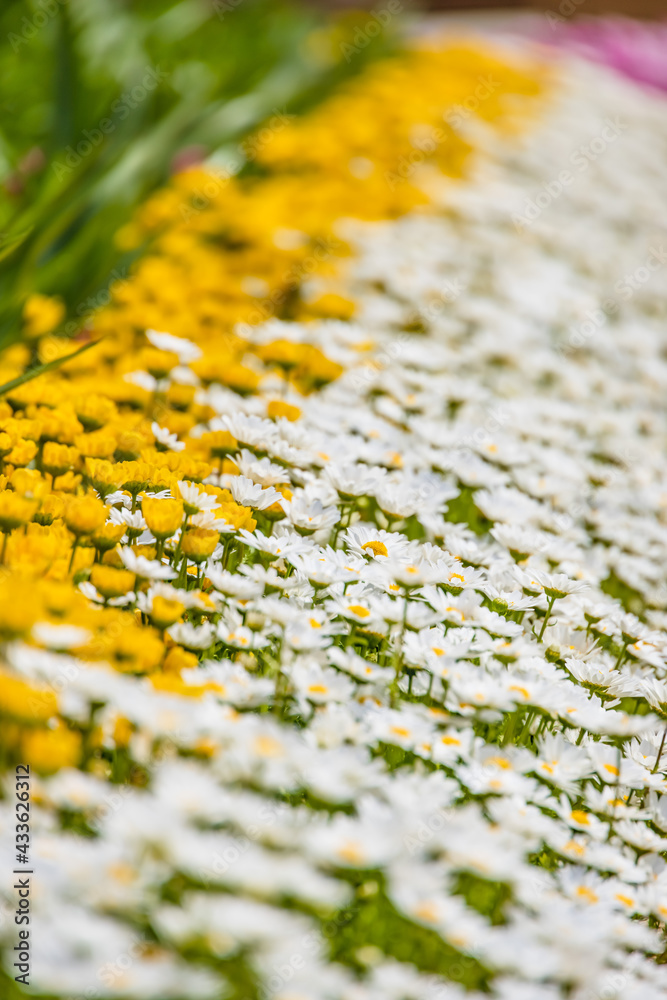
(221, 67)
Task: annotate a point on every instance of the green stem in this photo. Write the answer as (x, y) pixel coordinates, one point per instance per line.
(617, 785)
(527, 724)
(512, 723)
(546, 617)
(657, 759)
(398, 652)
(621, 656)
(71, 558)
(177, 551)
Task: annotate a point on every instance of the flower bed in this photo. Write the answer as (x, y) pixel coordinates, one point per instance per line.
(333, 587)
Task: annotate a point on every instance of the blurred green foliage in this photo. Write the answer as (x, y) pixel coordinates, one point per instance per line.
(101, 99)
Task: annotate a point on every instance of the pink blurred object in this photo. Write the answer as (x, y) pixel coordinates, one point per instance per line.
(637, 49)
(189, 156)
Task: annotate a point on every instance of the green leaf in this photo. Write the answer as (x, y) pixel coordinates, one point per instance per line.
(38, 370)
(12, 243)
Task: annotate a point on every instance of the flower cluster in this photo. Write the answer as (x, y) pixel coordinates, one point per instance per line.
(337, 636)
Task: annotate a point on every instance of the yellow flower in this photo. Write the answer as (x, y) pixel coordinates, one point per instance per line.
(47, 750)
(176, 423)
(316, 370)
(227, 371)
(165, 612)
(111, 582)
(41, 314)
(172, 684)
(52, 348)
(129, 445)
(180, 396)
(219, 443)
(191, 468)
(199, 543)
(33, 554)
(157, 363)
(134, 476)
(59, 424)
(240, 378)
(15, 510)
(163, 517)
(99, 444)
(59, 598)
(285, 354)
(21, 700)
(94, 411)
(19, 427)
(58, 458)
(122, 731)
(104, 476)
(137, 650)
(29, 483)
(277, 408)
(237, 515)
(67, 483)
(107, 537)
(31, 393)
(19, 608)
(22, 453)
(331, 305)
(178, 659)
(84, 515)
